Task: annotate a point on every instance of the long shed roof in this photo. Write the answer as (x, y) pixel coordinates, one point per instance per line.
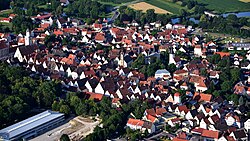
(28, 124)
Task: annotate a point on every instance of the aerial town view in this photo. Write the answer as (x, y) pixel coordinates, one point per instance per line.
(124, 70)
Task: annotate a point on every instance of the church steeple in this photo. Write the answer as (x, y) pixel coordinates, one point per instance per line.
(171, 56)
(27, 38)
(122, 59)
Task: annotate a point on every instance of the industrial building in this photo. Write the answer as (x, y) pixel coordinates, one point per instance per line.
(32, 126)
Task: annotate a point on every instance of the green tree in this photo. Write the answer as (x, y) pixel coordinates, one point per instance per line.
(171, 68)
(241, 100)
(55, 106)
(74, 101)
(21, 23)
(234, 98)
(59, 10)
(226, 86)
(64, 137)
(203, 18)
(204, 72)
(65, 109)
(139, 62)
(183, 12)
(47, 92)
(215, 58)
(235, 74)
(150, 15)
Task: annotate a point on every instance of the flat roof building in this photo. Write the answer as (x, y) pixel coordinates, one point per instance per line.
(32, 126)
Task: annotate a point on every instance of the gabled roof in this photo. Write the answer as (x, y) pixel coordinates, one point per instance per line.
(26, 50)
(151, 112)
(160, 111)
(95, 96)
(135, 122)
(222, 54)
(178, 139)
(239, 134)
(127, 58)
(151, 118)
(202, 97)
(210, 134)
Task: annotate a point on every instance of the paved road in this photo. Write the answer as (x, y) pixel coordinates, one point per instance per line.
(52, 135)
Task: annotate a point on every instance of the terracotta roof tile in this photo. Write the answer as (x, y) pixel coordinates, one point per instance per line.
(210, 134)
(136, 122)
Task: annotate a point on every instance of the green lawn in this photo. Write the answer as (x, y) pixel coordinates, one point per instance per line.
(220, 6)
(167, 5)
(109, 3)
(4, 25)
(5, 13)
(45, 6)
(223, 6)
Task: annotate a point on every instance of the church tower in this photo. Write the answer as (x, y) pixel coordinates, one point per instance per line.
(122, 59)
(171, 56)
(27, 38)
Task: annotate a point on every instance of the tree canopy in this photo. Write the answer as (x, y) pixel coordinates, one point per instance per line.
(20, 93)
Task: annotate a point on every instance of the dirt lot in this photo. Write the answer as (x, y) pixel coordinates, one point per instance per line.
(145, 6)
(76, 128)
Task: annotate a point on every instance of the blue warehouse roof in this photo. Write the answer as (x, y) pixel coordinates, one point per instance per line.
(28, 124)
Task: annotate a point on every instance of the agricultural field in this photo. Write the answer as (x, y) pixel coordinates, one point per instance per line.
(145, 6)
(167, 5)
(245, 1)
(220, 6)
(223, 6)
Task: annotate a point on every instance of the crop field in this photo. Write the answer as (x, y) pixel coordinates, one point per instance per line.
(226, 5)
(145, 6)
(245, 1)
(220, 6)
(167, 5)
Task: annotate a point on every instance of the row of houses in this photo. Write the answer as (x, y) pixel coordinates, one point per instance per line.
(98, 72)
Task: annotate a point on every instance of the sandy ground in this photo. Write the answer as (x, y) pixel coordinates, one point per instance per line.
(77, 129)
(145, 6)
(245, 0)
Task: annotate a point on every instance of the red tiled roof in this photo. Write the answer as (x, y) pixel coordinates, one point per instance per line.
(183, 108)
(182, 135)
(160, 111)
(151, 112)
(99, 37)
(97, 25)
(58, 32)
(198, 130)
(95, 96)
(115, 100)
(44, 25)
(222, 54)
(6, 19)
(151, 118)
(202, 97)
(210, 134)
(175, 120)
(178, 139)
(43, 16)
(136, 122)
(180, 71)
